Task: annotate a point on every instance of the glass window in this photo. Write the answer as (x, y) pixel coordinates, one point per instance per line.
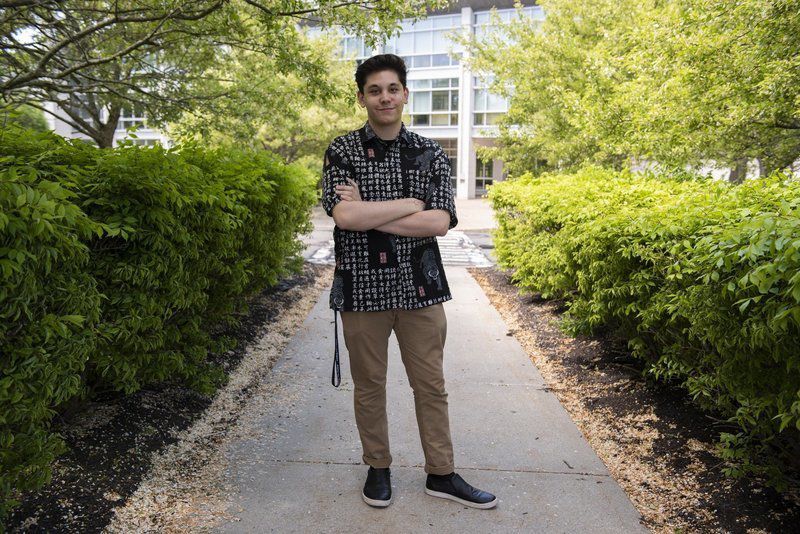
(423, 42)
(423, 24)
(496, 102)
(421, 102)
(484, 168)
(440, 120)
(440, 42)
(422, 61)
(480, 99)
(131, 117)
(440, 101)
(404, 44)
(437, 99)
(443, 22)
(493, 118)
(426, 42)
(482, 17)
(450, 147)
(440, 60)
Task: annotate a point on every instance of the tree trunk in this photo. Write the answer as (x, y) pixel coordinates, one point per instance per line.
(738, 172)
(108, 129)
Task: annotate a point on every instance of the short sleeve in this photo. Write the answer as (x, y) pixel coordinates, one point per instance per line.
(336, 169)
(440, 191)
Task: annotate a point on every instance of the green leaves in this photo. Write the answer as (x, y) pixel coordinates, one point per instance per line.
(116, 266)
(678, 83)
(702, 277)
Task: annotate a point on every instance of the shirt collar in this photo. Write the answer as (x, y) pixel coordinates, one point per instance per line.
(369, 135)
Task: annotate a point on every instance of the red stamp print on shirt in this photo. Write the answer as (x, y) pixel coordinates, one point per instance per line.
(421, 291)
(383, 257)
(370, 152)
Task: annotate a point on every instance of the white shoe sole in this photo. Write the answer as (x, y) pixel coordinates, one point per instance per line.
(378, 504)
(482, 506)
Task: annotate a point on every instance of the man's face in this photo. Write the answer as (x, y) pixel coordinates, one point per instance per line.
(383, 97)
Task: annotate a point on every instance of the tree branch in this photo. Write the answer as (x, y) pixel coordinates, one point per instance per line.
(38, 70)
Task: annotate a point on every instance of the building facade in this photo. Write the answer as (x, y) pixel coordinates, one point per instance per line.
(447, 101)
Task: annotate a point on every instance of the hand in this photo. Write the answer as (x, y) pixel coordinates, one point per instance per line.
(419, 205)
(349, 192)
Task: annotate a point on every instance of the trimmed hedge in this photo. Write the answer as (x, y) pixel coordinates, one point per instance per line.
(115, 267)
(702, 277)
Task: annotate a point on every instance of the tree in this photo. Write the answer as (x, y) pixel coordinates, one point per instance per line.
(281, 113)
(90, 56)
(718, 80)
(561, 76)
(679, 83)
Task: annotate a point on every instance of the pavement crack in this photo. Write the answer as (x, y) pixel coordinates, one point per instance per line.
(420, 466)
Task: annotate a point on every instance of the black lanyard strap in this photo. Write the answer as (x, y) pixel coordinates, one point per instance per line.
(336, 373)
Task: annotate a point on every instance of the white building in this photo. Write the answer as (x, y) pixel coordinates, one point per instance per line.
(448, 102)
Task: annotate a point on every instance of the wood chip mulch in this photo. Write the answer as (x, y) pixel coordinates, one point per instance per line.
(656, 444)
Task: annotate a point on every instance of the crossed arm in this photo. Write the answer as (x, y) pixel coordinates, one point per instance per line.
(405, 216)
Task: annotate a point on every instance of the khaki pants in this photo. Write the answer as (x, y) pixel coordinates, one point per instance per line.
(421, 334)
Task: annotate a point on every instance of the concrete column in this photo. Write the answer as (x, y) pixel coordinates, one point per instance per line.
(465, 188)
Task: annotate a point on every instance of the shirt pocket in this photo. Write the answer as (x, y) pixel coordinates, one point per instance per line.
(415, 164)
(427, 272)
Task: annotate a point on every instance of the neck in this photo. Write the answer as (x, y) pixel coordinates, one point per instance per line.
(388, 131)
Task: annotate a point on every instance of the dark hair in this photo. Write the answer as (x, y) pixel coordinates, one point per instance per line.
(379, 63)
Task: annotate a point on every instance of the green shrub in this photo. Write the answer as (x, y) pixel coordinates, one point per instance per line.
(700, 276)
(48, 301)
(117, 265)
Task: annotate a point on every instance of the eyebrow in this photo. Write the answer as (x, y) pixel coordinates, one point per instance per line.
(376, 86)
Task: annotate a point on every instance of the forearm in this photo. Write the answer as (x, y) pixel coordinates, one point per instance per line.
(361, 216)
(422, 224)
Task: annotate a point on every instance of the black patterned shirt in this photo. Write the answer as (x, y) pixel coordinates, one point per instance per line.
(376, 270)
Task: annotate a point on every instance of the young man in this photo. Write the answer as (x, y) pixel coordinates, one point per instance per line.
(388, 191)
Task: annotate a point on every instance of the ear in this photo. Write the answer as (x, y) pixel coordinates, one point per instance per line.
(360, 96)
(405, 94)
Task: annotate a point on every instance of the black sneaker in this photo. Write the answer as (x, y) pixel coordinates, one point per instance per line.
(454, 487)
(378, 487)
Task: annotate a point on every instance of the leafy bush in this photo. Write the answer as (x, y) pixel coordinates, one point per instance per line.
(49, 303)
(702, 278)
(116, 265)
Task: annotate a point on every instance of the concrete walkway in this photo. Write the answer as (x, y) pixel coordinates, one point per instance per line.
(300, 470)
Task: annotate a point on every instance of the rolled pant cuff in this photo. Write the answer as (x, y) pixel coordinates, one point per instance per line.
(378, 463)
(441, 470)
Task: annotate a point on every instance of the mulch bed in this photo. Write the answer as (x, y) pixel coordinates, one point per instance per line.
(112, 439)
(657, 445)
